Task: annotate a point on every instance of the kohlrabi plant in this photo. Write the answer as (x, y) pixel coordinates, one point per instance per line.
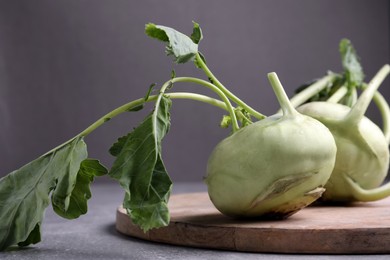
(266, 167)
(362, 159)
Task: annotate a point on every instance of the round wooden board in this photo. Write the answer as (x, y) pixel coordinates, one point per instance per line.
(360, 228)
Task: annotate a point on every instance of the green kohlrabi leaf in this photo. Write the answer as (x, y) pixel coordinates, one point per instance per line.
(182, 47)
(24, 193)
(196, 35)
(116, 148)
(89, 169)
(140, 171)
(350, 61)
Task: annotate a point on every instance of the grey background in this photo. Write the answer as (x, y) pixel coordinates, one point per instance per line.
(63, 64)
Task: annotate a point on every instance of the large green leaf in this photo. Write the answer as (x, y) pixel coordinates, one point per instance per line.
(81, 193)
(24, 193)
(140, 171)
(182, 47)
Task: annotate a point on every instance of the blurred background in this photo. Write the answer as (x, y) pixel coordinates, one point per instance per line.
(64, 64)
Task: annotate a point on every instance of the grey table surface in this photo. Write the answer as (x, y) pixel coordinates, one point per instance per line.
(93, 236)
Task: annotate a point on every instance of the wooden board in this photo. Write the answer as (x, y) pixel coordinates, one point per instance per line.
(359, 228)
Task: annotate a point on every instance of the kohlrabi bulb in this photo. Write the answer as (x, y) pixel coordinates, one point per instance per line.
(362, 159)
(362, 151)
(271, 168)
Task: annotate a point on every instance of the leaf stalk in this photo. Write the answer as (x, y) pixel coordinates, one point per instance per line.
(229, 94)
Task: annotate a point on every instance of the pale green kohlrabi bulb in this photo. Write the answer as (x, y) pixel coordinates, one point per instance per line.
(271, 168)
(362, 159)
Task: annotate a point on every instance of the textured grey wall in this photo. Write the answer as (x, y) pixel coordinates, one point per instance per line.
(63, 64)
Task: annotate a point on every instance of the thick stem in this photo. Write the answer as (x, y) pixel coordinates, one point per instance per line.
(361, 194)
(229, 94)
(196, 97)
(284, 102)
(354, 96)
(351, 98)
(380, 102)
(312, 90)
(338, 95)
(384, 109)
(359, 109)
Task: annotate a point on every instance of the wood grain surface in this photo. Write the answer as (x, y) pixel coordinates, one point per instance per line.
(359, 228)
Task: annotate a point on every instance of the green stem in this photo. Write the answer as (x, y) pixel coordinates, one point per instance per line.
(284, 102)
(338, 95)
(124, 108)
(229, 94)
(138, 102)
(235, 126)
(384, 110)
(219, 92)
(196, 97)
(380, 102)
(364, 195)
(128, 106)
(358, 110)
(242, 117)
(354, 97)
(312, 90)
